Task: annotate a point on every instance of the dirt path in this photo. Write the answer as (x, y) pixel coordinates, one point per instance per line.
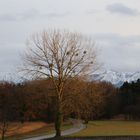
(77, 126)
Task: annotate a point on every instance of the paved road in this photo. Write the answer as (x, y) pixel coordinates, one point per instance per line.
(77, 126)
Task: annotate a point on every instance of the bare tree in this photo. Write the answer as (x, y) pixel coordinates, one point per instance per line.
(7, 110)
(59, 55)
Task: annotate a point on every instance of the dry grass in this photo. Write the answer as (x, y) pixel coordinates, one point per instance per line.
(111, 128)
(31, 129)
(20, 128)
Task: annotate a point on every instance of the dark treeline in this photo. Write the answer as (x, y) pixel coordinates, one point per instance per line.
(130, 100)
(35, 100)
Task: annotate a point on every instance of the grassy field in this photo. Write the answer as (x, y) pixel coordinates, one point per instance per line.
(28, 130)
(94, 128)
(110, 128)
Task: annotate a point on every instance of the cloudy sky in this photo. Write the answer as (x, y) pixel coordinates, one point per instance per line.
(113, 24)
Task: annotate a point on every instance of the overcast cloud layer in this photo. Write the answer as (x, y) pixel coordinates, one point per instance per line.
(113, 24)
(122, 9)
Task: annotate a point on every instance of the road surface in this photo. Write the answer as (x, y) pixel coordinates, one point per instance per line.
(77, 126)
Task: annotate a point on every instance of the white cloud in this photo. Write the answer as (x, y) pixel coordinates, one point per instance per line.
(118, 36)
(119, 52)
(30, 15)
(119, 8)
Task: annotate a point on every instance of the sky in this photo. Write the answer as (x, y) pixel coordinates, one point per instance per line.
(113, 24)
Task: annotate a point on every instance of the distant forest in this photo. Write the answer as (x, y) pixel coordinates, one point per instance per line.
(34, 101)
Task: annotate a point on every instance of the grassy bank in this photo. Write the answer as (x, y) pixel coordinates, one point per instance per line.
(110, 128)
(35, 129)
(96, 130)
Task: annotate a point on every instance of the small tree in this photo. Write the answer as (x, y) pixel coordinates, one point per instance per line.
(59, 56)
(8, 111)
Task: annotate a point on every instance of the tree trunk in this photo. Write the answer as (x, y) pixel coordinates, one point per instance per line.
(58, 120)
(2, 136)
(58, 123)
(3, 130)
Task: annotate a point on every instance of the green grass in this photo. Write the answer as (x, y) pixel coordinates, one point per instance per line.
(39, 132)
(110, 128)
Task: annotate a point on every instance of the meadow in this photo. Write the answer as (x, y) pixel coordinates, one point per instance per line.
(107, 130)
(33, 129)
(110, 128)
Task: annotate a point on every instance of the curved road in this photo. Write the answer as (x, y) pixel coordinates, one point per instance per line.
(77, 126)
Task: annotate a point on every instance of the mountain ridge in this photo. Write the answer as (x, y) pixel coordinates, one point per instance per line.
(114, 77)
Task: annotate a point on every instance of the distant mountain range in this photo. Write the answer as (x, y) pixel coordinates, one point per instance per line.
(116, 78)
(10, 77)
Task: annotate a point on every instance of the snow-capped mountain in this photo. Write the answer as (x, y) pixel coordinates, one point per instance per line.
(116, 78)
(10, 77)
